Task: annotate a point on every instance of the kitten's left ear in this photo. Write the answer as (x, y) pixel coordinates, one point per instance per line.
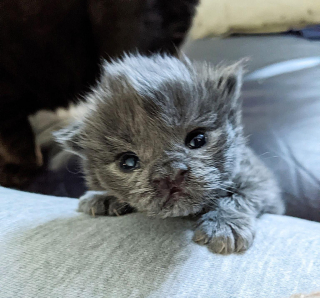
(70, 138)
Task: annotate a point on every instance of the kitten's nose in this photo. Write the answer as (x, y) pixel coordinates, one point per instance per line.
(177, 177)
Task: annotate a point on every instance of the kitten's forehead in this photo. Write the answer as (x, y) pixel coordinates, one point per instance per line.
(166, 112)
(173, 92)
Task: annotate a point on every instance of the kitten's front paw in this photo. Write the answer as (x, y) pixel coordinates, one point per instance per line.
(225, 235)
(99, 203)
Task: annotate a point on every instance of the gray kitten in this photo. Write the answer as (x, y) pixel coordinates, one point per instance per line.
(164, 136)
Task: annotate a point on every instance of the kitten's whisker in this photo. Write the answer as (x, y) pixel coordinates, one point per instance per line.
(264, 154)
(218, 188)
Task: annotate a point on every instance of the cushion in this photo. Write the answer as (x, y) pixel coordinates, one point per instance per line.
(47, 249)
(223, 17)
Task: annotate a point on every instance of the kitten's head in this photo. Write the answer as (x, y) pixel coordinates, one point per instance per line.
(162, 134)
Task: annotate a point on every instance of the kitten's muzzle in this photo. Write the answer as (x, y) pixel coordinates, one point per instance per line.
(170, 186)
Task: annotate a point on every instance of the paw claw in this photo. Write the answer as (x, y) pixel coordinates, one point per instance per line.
(225, 237)
(200, 237)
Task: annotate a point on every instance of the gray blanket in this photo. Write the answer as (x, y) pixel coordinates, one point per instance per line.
(47, 250)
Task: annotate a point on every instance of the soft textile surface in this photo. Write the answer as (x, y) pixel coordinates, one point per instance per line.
(47, 249)
(217, 17)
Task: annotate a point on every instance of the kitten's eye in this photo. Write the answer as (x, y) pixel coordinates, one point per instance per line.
(196, 139)
(129, 161)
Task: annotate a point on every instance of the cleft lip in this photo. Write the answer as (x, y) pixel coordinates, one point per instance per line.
(173, 196)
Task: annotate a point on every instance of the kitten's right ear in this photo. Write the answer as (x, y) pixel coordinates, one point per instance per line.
(229, 80)
(70, 138)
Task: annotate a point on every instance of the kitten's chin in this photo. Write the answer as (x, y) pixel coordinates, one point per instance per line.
(175, 209)
(176, 205)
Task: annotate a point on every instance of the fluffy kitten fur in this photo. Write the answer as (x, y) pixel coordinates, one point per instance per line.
(149, 106)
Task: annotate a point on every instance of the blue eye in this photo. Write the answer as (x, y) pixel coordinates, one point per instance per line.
(196, 139)
(129, 161)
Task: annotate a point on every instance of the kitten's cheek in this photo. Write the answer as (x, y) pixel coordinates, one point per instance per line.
(102, 181)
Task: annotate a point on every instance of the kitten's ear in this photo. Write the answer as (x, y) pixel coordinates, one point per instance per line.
(229, 81)
(70, 138)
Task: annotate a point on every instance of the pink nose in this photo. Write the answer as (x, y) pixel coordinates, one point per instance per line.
(167, 183)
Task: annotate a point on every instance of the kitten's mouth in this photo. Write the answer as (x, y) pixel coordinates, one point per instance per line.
(174, 195)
